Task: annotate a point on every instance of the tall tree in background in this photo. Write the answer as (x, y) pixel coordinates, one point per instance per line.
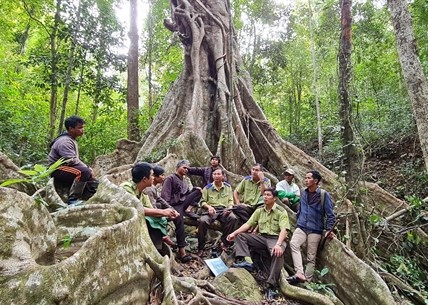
(314, 84)
(412, 69)
(133, 95)
(350, 151)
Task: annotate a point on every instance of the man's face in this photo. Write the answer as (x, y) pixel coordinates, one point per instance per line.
(309, 180)
(268, 197)
(159, 179)
(255, 171)
(76, 131)
(147, 182)
(288, 177)
(214, 162)
(218, 176)
(182, 170)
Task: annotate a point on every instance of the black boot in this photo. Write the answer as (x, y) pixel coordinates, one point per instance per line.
(76, 191)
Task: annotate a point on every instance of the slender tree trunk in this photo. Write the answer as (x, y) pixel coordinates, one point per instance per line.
(54, 71)
(68, 75)
(412, 69)
(150, 56)
(349, 145)
(79, 89)
(314, 84)
(132, 97)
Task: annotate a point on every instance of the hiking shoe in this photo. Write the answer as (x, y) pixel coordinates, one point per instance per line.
(246, 265)
(272, 293)
(75, 202)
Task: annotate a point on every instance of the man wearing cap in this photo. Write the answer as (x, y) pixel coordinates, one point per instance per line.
(176, 192)
(288, 191)
(207, 172)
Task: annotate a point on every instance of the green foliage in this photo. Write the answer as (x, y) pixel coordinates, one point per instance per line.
(408, 269)
(37, 176)
(319, 286)
(66, 241)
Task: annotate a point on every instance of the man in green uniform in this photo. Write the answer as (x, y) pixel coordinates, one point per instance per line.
(272, 222)
(217, 198)
(157, 219)
(248, 193)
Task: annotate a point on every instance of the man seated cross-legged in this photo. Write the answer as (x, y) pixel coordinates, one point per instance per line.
(217, 198)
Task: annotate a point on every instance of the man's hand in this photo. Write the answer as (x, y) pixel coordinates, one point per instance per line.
(277, 250)
(231, 236)
(211, 210)
(330, 235)
(261, 176)
(171, 213)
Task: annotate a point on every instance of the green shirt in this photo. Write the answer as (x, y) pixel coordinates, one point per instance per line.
(131, 187)
(221, 197)
(249, 190)
(269, 222)
(159, 223)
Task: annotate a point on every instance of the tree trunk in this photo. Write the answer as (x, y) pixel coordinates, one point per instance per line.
(54, 71)
(349, 145)
(315, 87)
(412, 69)
(70, 67)
(132, 97)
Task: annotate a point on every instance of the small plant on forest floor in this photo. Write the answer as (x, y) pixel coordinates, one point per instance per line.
(319, 286)
(66, 241)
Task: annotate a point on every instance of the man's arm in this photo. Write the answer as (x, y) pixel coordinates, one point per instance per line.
(277, 249)
(168, 213)
(244, 228)
(197, 171)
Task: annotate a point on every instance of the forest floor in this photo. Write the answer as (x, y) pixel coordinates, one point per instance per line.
(396, 165)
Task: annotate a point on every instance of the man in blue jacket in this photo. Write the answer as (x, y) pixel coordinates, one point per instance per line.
(316, 205)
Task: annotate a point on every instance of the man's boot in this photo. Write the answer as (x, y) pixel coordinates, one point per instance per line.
(76, 190)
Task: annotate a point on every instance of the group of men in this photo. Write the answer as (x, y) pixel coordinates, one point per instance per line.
(250, 216)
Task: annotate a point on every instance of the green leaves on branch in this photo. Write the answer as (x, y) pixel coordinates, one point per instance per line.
(37, 176)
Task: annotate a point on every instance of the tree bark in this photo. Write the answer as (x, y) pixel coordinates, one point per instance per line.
(412, 69)
(133, 95)
(349, 145)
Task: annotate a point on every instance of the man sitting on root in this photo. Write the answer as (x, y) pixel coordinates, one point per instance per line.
(272, 222)
(217, 198)
(156, 219)
(160, 203)
(74, 172)
(248, 193)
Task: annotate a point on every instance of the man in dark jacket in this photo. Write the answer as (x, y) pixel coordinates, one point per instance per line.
(74, 172)
(207, 172)
(310, 226)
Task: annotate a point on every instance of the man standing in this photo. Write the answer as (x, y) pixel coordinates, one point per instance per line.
(207, 172)
(315, 205)
(156, 219)
(272, 222)
(74, 172)
(248, 193)
(288, 191)
(217, 197)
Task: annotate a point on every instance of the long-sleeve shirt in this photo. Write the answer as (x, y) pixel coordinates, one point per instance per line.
(174, 189)
(311, 214)
(155, 198)
(65, 147)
